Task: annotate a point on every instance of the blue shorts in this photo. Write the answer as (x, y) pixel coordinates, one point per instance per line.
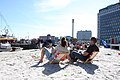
(48, 54)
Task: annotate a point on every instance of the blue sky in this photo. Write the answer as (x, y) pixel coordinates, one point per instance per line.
(42, 17)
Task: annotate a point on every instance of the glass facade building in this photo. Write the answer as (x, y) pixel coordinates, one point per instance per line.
(109, 24)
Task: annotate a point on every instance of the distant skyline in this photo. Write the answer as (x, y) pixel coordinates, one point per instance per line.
(42, 17)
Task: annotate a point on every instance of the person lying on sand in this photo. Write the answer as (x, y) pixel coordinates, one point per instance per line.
(60, 48)
(74, 56)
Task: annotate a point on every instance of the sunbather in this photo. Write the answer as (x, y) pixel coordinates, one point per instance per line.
(85, 55)
(60, 48)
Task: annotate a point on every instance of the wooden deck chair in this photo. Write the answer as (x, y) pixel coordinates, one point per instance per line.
(59, 57)
(91, 57)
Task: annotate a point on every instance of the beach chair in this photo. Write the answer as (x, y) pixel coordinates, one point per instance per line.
(58, 57)
(91, 57)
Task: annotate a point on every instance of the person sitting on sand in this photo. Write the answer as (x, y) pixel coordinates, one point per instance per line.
(60, 48)
(84, 56)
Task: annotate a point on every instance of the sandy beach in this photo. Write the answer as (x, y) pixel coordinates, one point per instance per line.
(19, 65)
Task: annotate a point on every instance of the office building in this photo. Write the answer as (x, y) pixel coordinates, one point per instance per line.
(84, 36)
(109, 23)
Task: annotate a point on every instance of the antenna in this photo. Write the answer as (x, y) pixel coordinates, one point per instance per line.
(28, 35)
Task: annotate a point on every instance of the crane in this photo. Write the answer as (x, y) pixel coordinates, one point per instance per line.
(7, 27)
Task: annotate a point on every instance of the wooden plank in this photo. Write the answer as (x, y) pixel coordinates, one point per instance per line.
(91, 57)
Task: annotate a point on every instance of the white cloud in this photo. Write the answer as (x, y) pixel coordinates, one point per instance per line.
(49, 5)
(63, 23)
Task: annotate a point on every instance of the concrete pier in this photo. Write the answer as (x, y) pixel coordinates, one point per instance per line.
(115, 46)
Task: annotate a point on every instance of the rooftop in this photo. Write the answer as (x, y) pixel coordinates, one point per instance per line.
(110, 6)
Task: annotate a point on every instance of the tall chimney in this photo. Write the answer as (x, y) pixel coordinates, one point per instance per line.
(73, 28)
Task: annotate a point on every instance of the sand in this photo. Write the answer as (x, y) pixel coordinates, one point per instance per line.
(19, 65)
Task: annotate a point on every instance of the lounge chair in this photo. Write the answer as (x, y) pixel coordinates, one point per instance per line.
(91, 57)
(58, 57)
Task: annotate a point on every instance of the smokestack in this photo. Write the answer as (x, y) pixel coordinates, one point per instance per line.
(73, 28)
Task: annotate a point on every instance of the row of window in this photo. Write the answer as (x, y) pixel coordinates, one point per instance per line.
(109, 24)
(113, 33)
(105, 11)
(109, 31)
(109, 27)
(109, 37)
(116, 27)
(114, 19)
(110, 15)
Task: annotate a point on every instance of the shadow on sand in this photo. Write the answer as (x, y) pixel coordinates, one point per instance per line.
(50, 68)
(53, 68)
(89, 68)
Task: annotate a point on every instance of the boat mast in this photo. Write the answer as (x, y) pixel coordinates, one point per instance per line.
(7, 26)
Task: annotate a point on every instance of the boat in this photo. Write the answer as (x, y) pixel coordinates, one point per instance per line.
(5, 47)
(5, 43)
(6, 37)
